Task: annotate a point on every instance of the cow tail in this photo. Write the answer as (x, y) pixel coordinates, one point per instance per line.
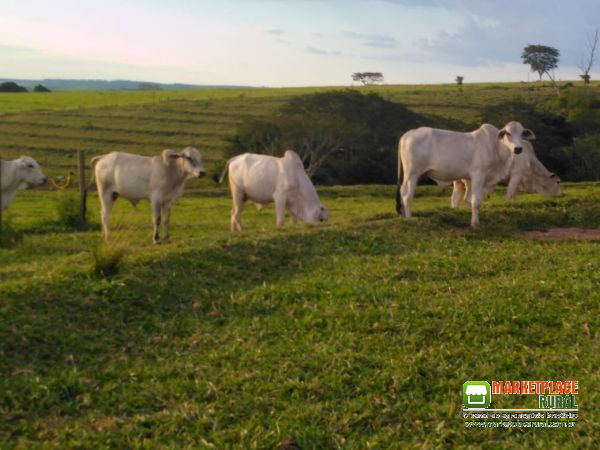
(93, 163)
(398, 193)
(224, 173)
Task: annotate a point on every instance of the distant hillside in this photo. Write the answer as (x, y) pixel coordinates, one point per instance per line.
(105, 85)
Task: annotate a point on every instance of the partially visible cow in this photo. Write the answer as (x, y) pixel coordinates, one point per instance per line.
(160, 179)
(18, 174)
(527, 174)
(484, 156)
(264, 179)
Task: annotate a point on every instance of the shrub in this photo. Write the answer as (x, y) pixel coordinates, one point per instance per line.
(11, 86)
(343, 137)
(9, 236)
(584, 156)
(67, 208)
(40, 88)
(108, 258)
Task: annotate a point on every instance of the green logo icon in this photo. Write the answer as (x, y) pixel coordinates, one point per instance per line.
(477, 394)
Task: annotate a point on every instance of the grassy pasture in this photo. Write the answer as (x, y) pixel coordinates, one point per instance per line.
(355, 334)
(50, 127)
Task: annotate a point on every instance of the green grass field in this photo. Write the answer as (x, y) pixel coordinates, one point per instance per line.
(355, 334)
(51, 127)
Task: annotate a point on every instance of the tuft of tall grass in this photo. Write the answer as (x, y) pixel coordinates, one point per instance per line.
(67, 209)
(9, 235)
(108, 258)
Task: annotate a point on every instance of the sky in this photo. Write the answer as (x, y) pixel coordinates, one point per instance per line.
(291, 42)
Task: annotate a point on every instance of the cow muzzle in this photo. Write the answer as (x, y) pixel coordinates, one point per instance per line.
(518, 150)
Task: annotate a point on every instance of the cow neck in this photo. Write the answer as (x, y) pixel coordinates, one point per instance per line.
(9, 181)
(307, 197)
(507, 159)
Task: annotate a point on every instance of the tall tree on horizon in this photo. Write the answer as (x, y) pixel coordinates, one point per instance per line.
(541, 58)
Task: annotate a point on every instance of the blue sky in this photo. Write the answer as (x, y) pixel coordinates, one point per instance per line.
(289, 42)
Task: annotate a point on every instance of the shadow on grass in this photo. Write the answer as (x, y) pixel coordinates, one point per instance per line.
(42, 324)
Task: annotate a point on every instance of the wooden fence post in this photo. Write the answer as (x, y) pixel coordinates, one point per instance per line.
(82, 186)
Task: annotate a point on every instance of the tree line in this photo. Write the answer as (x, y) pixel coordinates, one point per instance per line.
(346, 137)
(11, 86)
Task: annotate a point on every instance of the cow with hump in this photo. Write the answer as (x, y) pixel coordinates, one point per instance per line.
(160, 179)
(264, 179)
(18, 174)
(484, 156)
(527, 174)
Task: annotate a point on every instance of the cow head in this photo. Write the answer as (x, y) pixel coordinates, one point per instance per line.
(513, 134)
(317, 215)
(193, 162)
(189, 161)
(30, 171)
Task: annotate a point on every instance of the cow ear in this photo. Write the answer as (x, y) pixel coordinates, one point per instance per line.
(169, 155)
(501, 133)
(528, 134)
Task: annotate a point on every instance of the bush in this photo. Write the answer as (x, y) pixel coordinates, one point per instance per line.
(40, 88)
(108, 258)
(9, 236)
(67, 208)
(584, 157)
(11, 86)
(343, 137)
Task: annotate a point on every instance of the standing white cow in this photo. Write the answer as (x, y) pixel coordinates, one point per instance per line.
(526, 174)
(264, 179)
(484, 156)
(160, 179)
(18, 174)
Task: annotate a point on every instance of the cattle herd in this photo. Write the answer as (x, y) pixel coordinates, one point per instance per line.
(473, 162)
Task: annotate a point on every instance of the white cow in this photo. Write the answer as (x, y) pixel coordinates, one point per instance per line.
(264, 179)
(484, 156)
(18, 174)
(160, 179)
(527, 174)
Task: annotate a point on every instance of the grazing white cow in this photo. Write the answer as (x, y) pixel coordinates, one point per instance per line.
(160, 179)
(264, 179)
(526, 174)
(484, 156)
(18, 174)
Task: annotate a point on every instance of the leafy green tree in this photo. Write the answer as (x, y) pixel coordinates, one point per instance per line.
(541, 58)
(343, 137)
(368, 78)
(11, 86)
(40, 88)
(584, 157)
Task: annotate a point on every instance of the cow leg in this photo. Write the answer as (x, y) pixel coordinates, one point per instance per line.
(458, 190)
(407, 192)
(166, 219)
(280, 202)
(513, 185)
(468, 193)
(236, 211)
(106, 203)
(477, 193)
(155, 204)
